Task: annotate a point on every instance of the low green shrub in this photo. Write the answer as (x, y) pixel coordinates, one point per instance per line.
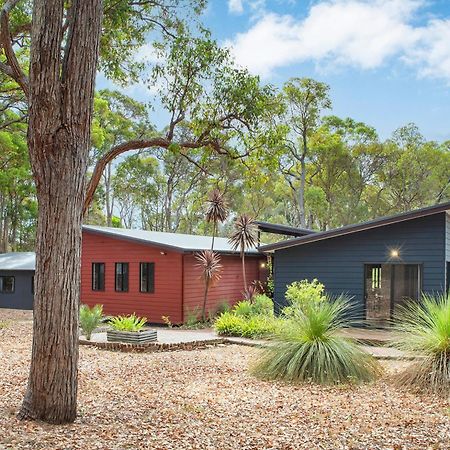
(90, 319)
(423, 328)
(263, 305)
(128, 323)
(311, 348)
(230, 324)
(243, 309)
(260, 305)
(223, 306)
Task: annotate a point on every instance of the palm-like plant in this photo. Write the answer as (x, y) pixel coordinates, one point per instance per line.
(423, 328)
(209, 262)
(217, 211)
(311, 348)
(243, 238)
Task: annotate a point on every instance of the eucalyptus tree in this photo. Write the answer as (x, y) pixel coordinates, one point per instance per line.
(303, 100)
(117, 117)
(68, 42)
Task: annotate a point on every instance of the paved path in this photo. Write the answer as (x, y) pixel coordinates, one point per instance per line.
(174, 336)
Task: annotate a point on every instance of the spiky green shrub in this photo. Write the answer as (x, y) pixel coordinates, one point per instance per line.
(90, 319)
(423, 328)
(310, 349)
(128, 323)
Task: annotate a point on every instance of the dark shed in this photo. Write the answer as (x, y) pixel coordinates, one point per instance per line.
(16, 280)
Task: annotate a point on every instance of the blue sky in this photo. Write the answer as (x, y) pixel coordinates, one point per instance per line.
(387, 61)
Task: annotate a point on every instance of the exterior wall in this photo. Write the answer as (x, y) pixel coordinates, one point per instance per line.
(339, 262)
(229, 287)
(22, 297)
(167, 297)
(447, 249)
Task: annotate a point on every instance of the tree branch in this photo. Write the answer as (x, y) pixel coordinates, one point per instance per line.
(13, 68)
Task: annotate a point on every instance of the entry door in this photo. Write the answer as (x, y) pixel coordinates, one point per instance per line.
(388, 286)
(378, 292)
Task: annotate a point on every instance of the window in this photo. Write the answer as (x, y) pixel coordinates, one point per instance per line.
(98, 276)
(376, 277)
(7, 284)
(32, 284)
(147, 277)
(122, 277)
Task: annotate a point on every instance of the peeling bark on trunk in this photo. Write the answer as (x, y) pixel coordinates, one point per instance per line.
(60, 113)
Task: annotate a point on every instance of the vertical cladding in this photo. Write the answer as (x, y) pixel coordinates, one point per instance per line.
(22, 297)
(229, 288)
(166, 300)
(339, 262)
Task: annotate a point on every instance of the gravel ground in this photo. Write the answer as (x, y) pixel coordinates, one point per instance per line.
(205, 399)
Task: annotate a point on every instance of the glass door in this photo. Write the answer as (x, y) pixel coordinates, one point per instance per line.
(378, 292)
(388, 286)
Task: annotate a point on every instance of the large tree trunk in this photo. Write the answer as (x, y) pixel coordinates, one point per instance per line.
(52, 388)
(60, 113)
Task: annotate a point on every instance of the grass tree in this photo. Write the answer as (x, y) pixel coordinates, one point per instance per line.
(209, 262)
(217, 211)
(310, 348)
(243, 238)
(423, 328)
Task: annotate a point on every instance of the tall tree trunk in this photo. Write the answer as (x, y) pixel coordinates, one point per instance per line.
(205, 298)
(60, 115)
(244, 274)
(301, 193)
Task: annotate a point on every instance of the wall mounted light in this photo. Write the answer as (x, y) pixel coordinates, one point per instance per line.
(163, 253)
(263, 265)
(395, 253)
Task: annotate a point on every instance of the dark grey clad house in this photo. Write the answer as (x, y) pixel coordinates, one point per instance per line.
(16, 280)
(380, 263)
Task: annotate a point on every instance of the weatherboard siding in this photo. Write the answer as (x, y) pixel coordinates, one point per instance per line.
(339, 262)
(229, 288)
(166, 299)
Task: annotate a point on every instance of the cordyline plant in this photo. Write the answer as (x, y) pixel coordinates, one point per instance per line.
(209, 262)
(423, 328)
(243, 238)
(216, 212)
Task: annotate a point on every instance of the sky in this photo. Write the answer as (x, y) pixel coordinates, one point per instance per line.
(387, 61)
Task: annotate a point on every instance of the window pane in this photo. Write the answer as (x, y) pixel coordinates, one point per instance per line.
(98, 276)
(121, 277)
(7, 285)
(147, 277)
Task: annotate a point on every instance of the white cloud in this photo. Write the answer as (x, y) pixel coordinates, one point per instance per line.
(236, 6)
(358, 33)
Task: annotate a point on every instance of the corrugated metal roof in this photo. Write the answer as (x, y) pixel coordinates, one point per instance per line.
(176, 241)
(17, 261)
(348, 229)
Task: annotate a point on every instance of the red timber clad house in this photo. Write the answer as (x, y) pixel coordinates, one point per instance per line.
(154, 274)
